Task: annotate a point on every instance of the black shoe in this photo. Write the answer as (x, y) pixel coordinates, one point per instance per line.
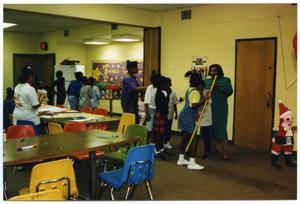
(206, 156)
(165, 152)
(291, 164)
(278, 166)
(161, 156)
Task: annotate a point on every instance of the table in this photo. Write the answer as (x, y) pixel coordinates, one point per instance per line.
(89, 119)
(63, 145)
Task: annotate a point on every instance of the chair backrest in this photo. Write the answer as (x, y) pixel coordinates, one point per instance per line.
(138, 131)
(60, 105)
(75, 126)
(100, 111)
(125, 120)
(55, 128)
(43, 195)
(139, 165)
(27, 122)
(86, 109)
(57, 174)
(18, 131)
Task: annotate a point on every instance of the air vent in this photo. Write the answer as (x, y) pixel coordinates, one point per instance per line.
(66, 33)
(185, 15)
(114, 26)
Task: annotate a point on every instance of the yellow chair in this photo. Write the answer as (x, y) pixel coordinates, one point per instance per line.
(126, 119)
(55, 128)
(43, 195)
(57, 174)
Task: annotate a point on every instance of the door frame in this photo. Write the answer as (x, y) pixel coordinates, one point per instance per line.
(37, 56)
(274, 80)
(147, 69)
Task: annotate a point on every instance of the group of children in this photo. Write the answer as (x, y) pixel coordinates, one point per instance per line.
(157, 108)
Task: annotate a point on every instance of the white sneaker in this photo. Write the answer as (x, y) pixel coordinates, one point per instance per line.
(195, 166)
(168, 146)
(181, 162)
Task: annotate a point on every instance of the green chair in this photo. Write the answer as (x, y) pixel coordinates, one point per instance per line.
(121, 153)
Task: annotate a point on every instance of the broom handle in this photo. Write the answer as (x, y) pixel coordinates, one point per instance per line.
(201, 116)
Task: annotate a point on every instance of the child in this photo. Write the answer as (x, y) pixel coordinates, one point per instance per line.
(173, 100)
(160, 117)
(141, 105)
(206, 127)
(187, 117)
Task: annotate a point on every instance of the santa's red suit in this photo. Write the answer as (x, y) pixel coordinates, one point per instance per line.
(283, 141)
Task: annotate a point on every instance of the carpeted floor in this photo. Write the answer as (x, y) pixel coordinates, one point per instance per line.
(246, 176)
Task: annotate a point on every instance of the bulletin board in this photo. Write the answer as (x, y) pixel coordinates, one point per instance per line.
(114, 71)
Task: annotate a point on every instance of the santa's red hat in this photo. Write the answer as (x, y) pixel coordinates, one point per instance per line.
(283, 110)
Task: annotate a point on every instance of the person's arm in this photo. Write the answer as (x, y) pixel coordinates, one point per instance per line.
(141, 88)
(35, 99)
(147, 113)
(197, 101)
(225, 87)
(175, 111)
(146, 103)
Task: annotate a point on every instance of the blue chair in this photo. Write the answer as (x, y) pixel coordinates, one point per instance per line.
(38, 129)
(138, 168)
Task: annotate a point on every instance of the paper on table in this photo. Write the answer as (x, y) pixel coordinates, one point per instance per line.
(87, 119)
(51, 109)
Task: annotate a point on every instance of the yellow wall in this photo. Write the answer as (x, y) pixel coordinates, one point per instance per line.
(212, 32)
(16, 43)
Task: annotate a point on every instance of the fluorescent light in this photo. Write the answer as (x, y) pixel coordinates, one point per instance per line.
(96, 41)
(126, 38)
(7, 25)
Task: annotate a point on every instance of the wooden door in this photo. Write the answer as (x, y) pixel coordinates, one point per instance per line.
(254, 92)
(22, 60)
(152, 38)
(43, 66)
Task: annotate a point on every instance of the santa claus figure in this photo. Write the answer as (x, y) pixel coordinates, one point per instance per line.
(283, 141)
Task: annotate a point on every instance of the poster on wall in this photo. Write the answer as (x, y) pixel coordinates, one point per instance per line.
(112, 72)
(200, 63)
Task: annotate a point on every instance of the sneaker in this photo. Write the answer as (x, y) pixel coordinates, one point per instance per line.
(182, 162)
(195, 166)
(168, 146)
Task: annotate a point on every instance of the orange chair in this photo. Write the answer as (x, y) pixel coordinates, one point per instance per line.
(80, 126)
(75, 127)
(101, 111)
(86, 109)
(19, 131)
(60, 105)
